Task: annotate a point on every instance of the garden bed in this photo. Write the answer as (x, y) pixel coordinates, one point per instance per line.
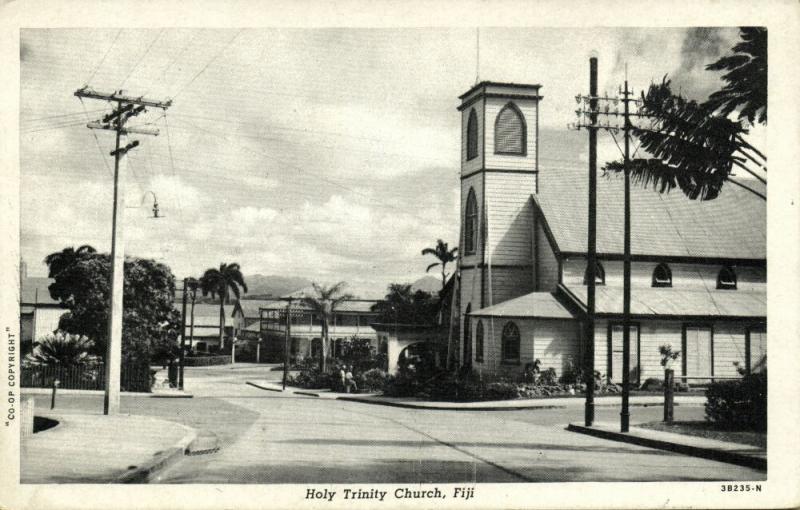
(709, 430)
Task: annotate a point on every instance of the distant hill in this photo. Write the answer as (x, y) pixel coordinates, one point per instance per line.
(261, 286)
(428, 284)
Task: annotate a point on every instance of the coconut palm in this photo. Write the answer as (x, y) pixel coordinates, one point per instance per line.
(221, 283)
(444, 255)
(61, 260)
(323, 304)
(746, 88)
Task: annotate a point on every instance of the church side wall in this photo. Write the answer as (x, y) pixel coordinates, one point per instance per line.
(546, 262)
(474, 164)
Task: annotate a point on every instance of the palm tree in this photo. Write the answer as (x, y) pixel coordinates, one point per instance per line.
(444, 255)
(746, 88)
(61, 260)
(221, 283)
(62, 349)
(324, 304)
(193, 284)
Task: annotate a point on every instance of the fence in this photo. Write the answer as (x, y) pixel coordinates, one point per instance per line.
(205, 361)
(133, 377)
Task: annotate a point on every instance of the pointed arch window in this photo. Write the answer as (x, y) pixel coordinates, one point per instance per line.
(510, 131)
(726, 279)
(470, 224)
(662, 276)
(510, 343)
(472, 135)
(599, 274)
(479, 341)
(467, 336)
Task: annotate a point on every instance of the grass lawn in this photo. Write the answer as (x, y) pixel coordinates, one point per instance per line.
(710, 431)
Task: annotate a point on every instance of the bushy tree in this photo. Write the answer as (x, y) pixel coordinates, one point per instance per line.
(404, 306)
(150, 322)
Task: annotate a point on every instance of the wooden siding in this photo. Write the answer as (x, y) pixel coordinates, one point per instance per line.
(509, 215)
(46, 321)
(472, 165)
(554, 343)
(729, 348)
(493, 107)
(507, 283)
(683, 275)
(546, 263)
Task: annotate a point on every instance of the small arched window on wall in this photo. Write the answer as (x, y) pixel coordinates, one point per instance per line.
(472, 135)
(726, 279)
(510, 132)
(662, 276)
(479, 341)
(510, 343)
(467, 337)
(470, 224)
(599, 274)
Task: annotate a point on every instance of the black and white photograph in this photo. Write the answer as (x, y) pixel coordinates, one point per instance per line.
(422, 266)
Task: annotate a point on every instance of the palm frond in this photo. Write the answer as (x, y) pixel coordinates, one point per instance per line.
(431, 266)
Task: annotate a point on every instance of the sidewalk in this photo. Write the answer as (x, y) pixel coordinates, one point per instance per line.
(723, 451)
(92, 448)
(497, 405)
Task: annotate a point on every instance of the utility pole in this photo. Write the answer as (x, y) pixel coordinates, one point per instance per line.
(626, 258)
(588, 117)
(125, 108)
(183, 333)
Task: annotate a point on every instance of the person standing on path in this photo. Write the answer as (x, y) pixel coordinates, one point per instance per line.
(350, 382)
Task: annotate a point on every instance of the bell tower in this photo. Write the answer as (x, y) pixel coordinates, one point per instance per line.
(499, 173)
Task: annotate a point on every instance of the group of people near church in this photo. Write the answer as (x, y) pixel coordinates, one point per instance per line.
(346, 380)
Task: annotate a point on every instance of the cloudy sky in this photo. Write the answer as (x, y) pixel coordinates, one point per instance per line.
(326, 153)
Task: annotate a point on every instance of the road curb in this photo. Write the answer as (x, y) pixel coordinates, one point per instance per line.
(729, 457)
(411, 405)
(251, 383)
(161, 460)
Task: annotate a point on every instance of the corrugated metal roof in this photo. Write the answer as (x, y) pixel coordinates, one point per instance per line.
(678, 301)
(543, 305)
(731, 226)
(34, 290)
(250, 307)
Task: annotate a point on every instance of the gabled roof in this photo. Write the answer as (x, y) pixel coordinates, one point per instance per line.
(733, 225)
(34, 291)
(543, 305)
(251, 307)
(680, 302)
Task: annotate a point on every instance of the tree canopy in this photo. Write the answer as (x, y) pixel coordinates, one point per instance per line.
(323, 303)
(150, 322)
(403, 306)
(444, 254)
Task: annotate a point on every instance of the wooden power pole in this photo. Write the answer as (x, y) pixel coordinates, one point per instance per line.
(125, 107)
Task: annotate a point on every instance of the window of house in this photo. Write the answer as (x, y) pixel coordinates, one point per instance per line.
(510, 343)
(698, 357)
(467, 336)
(479, 341)
(472, 135)
(470, 223)
(662, 276)
(599, 274)
(726, 279)
(509, 131)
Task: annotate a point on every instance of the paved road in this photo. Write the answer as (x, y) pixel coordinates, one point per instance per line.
(269, 437)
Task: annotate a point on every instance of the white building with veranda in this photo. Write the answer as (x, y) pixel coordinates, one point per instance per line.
(698, 267)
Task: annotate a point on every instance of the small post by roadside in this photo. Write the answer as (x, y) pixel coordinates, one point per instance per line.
(56, 383)
(669, 392)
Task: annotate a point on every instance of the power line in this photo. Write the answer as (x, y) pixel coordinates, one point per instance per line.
(208, 64)
(104, 56)
(97, 140)
(142, 57)
(48, 117)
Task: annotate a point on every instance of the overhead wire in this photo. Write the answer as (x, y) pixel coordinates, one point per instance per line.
(157, 37)
(104, 57)
(214, 58)
(97, 140)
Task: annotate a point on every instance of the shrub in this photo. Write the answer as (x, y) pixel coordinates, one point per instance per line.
(740, 404)
(548, 377)
(653, 383)
(373, 380)
(502, 391)
(312, 379)
(573, 374)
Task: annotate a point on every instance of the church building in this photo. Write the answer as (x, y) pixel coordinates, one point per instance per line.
(698, 277)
